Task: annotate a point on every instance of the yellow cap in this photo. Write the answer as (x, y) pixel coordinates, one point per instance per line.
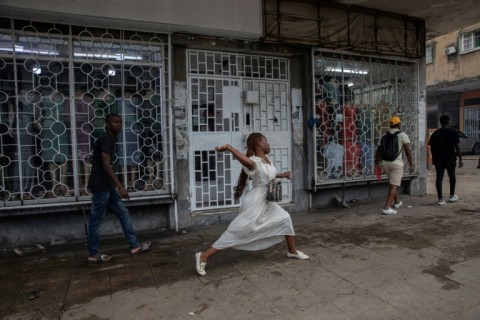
(394, 120)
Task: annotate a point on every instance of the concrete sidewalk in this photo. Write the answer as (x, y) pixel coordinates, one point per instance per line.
(423, 263)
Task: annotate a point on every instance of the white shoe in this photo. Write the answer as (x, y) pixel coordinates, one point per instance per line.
(442, 202)
(199, 265)
(453, 198)
(397, 205)
(389, 211)
(300, 255)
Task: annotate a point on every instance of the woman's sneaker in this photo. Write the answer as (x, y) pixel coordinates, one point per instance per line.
(389, 211)
(300, 255)
(453, 198)
(442, 202)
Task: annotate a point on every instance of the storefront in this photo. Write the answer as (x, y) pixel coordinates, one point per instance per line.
(321, 92)
(59, 82)
(355, 96)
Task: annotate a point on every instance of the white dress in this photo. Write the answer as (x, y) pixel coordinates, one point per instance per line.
(260, 223)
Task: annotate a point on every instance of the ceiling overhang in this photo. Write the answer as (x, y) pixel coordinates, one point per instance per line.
(440, 17)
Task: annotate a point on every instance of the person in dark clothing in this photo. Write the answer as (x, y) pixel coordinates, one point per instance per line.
(107, 192)
(445, 148)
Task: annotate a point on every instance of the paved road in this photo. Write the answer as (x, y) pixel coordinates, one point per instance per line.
(423, 263)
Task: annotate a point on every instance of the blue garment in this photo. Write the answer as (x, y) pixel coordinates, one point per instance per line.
(100, 202)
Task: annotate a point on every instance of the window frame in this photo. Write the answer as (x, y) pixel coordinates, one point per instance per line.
(473, 38)
(429, 51)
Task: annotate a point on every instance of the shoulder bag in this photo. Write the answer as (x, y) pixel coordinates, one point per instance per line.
(274, 191)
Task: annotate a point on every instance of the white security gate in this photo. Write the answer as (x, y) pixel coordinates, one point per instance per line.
(215, 120)
(225, 106)
(271, 117)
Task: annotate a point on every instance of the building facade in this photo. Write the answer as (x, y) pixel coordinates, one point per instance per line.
(453, 80)
(185, 81)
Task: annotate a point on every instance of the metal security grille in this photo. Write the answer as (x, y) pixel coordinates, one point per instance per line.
(213, 179)
(273, 117)
(208, 112)
(59, 82)
(214, 121)
(471, 124)
(232, 95)
(237, 65)
(355, 97)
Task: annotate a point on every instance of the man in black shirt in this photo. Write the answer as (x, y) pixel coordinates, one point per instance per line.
(107, 192)
(445, 148)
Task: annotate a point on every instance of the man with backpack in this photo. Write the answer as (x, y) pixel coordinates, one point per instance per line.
(389, 152)
(445, 148)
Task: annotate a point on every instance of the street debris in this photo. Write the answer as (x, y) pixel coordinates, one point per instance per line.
(23, 251)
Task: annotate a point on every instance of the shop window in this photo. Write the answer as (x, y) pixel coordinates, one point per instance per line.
(354, 100)
(53, 104)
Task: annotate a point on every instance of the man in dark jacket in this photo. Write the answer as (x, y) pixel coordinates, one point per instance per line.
(107, 192)
(445, 148)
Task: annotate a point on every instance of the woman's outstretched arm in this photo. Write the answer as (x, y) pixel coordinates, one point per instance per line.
(244, 160)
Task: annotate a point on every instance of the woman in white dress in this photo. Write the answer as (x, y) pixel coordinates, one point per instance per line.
(260, 223)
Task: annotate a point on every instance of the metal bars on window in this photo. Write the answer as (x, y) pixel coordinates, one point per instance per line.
(274, 97)
(471, 124)
(213, 179)
(58, 84)
(355, 97)
(208, 111)
(237, 65)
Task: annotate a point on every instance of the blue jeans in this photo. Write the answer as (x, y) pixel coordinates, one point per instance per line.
(100, 202)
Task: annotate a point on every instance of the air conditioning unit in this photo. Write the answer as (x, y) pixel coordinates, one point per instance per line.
(450, 50)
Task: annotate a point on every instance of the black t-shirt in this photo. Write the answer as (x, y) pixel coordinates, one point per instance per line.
(99, 179)
(442, 143)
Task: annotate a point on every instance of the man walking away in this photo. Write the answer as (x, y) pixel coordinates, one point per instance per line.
(445, 148)
(393, 164)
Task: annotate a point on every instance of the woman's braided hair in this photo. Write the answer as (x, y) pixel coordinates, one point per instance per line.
(252, 141)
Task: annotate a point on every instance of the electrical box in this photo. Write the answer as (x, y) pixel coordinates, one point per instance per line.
(252, 97)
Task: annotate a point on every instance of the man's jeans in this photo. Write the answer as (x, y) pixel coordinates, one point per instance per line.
(100, 202)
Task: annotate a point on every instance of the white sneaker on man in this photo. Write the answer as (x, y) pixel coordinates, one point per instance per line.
(397, 205)
(453, 198)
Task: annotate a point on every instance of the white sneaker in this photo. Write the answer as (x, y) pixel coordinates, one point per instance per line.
(442, 202)
(389, 211)
(199, 265)
(453, 198)
(397, 205)
(300, 255)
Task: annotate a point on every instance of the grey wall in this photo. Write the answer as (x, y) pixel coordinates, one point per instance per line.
(51, 228)
(229, 18)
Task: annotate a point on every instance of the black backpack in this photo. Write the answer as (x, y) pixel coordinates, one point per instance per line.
(389, 146)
